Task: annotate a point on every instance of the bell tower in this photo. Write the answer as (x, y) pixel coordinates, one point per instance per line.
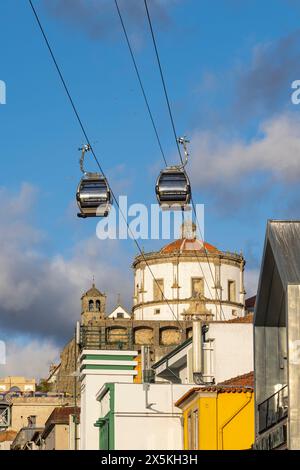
(93, 306)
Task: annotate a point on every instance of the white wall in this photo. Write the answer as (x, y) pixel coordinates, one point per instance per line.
(186, 271)
(91, 382)
(232, 353)
(233, 349)
(139, 427)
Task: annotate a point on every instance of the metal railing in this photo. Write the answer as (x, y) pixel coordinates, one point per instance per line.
(272, 410)
(106, 338)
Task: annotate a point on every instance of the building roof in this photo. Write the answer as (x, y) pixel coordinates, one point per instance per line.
(93, 292)
(246, 319)
(7, 436)
(250, 302)
(60, 415)
(185, 244)
(280, 267)
(120, 309)
(240, 384)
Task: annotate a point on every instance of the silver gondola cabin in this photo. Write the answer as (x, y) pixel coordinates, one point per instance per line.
(93, 194)
(173, 189)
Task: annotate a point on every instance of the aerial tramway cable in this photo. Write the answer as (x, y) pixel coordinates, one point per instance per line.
(88, 142)
(173, 127)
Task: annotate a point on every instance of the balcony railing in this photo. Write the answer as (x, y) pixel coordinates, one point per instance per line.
(273, 409)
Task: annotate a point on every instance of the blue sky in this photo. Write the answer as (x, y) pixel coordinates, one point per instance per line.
(228, 66)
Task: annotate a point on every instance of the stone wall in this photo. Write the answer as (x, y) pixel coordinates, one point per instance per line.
(162, 337)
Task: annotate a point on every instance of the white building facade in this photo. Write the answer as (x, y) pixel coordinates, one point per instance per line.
(140, 416)
(227, 351)
(190, 277)
(98, 367)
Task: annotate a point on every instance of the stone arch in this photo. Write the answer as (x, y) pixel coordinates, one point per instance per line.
(143, 335)
(169, 335)
(116, 334)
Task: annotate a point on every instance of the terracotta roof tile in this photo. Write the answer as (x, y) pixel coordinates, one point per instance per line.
(7, 436)
(250, 302)
(240, 384)
(246, 319)
(185, 244)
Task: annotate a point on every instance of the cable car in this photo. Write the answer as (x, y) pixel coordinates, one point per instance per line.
(173, 189)
(93, 194)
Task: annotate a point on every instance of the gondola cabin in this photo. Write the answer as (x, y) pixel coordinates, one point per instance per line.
(173, 189)
(93, 196)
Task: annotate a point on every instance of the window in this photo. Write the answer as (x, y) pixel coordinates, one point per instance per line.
(193, 429)
(120, 315)
(231, 291)
(91, 305)
(98, 305)
(158, 289)
(156, 311)
(197, 287)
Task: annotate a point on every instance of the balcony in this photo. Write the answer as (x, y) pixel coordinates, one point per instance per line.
(273, 410)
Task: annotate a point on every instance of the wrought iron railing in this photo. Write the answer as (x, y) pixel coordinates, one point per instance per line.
(272, 410)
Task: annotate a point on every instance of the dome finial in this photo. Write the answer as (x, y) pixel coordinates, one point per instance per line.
(188, 230)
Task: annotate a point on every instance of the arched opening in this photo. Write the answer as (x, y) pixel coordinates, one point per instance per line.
(98, 305)
(117, 335)
(91, 305)
(169, 336)
(143, 336)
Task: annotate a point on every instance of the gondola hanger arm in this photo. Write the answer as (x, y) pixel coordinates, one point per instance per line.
(184, 141)
(85, 148)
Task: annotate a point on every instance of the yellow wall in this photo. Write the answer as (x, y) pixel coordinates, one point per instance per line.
(138, 378)
(226, 421)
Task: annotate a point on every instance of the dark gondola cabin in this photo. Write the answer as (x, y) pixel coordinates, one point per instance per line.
(173, 189)
(93, 196)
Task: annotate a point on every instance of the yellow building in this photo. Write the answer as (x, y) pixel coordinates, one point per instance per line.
(17, 384)
(219, 417)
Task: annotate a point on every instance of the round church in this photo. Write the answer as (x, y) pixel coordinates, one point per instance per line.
(189, 278)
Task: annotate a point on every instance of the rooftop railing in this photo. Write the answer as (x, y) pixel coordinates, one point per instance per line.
(102, 338)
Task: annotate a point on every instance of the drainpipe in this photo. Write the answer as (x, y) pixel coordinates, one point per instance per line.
(197, 352)
(249, 396)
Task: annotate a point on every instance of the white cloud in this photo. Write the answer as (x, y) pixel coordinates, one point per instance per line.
(251, 281)
(274, 151)
(40, 294)
(30, 358)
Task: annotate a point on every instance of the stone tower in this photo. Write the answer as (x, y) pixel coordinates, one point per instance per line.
(93, 305)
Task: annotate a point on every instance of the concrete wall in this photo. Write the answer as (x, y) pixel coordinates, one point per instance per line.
(157, 426)
(42, 407)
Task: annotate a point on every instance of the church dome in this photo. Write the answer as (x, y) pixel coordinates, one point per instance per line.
(186, 244)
